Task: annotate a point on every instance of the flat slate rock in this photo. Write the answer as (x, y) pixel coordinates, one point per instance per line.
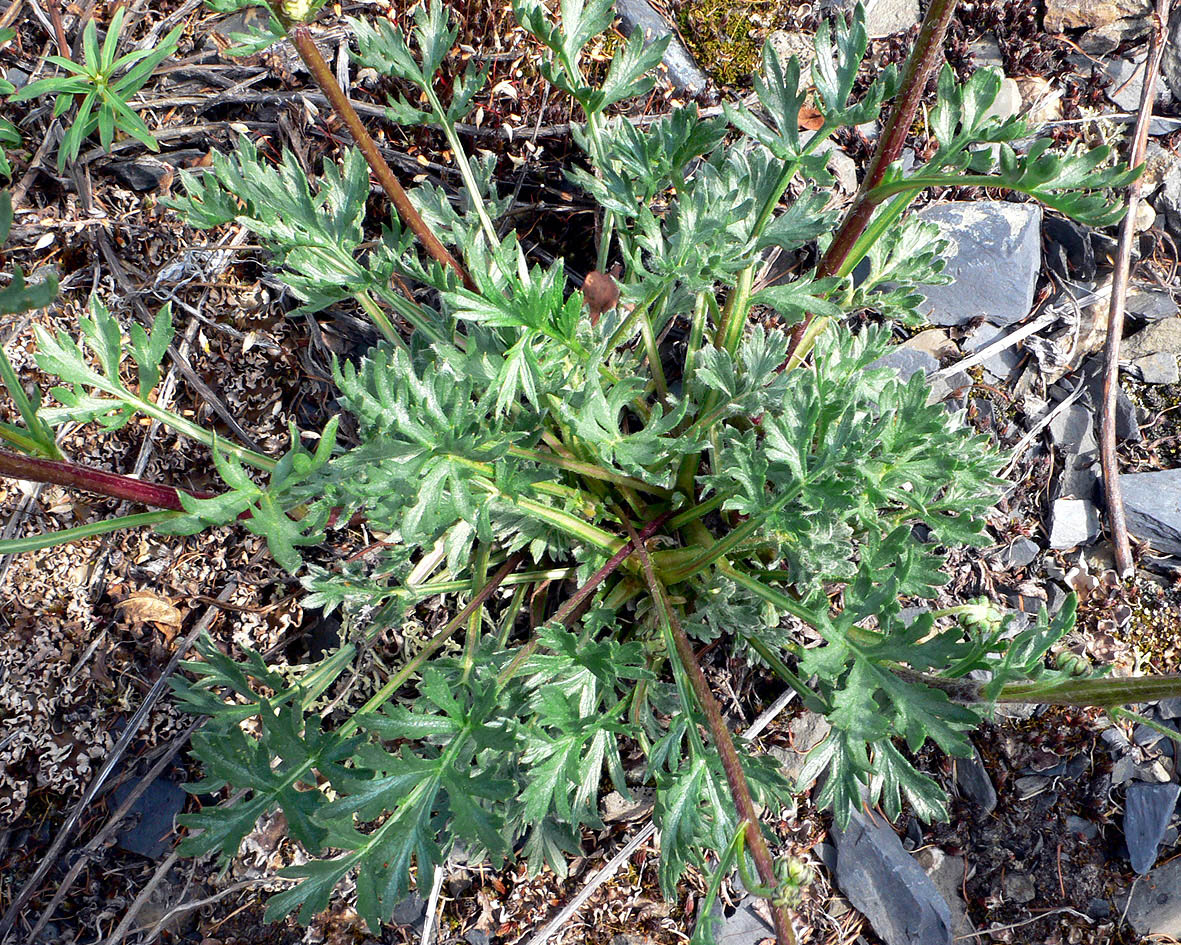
(994, 261)
(1159, 368)
(1020, 553)
(1152, 504)
(1147, 813)
(747, 926)
(1074, 522)
(972, 779)
(683, 71)
(1161, 336)
(886, 885)
(1151, 304)
(1154, 907)
(906, 361)
(149, 830)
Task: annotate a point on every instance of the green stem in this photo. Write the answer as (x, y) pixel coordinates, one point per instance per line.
(377, 316)
(589, 470)
(1105, 692)
(475, 622)
(15, 546)
(570, 610)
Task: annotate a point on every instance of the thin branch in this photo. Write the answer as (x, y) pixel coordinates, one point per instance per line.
(1119, 290)
(306, 47)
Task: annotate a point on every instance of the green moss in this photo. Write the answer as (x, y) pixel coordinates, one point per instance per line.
(726, 36)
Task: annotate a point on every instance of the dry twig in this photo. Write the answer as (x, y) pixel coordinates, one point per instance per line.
(1119, 290)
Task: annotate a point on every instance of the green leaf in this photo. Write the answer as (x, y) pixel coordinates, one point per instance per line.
(896, 780)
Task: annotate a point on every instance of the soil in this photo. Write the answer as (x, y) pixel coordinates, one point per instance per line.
(88, 629)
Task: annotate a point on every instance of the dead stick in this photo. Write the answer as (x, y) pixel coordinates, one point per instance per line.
(306, 47)
(1119, 290)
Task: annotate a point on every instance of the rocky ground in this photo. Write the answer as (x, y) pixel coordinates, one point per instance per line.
(1064, 826)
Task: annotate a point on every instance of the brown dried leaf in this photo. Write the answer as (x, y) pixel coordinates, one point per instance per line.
(145, 607)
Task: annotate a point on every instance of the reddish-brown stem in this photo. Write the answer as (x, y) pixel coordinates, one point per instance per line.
(927, 52)
(569, 611)
(306, 47)
(1119, 290)
(113, 485)
(723, 742)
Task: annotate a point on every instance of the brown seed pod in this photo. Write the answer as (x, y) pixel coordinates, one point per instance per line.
(601, 293)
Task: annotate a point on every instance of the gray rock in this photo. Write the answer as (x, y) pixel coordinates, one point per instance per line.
(1001, 364)
(986, 52)
(1127, 429)
(886, 885)
(1147, 813)
(994, 261)
(1074, 522)
(841, 166)
(886, 17)
(906, 361)
(1073, 430)
(1123, 770)
(1169, 708)
(1020, 553)
(974, 783)
(148, 829)
(409, 911)
(1079, 479)
(683, 72)
(747, 926)
(1127, 82)
(1162, 336)
(1159, 368)
(807, 730)
(1168, 201)
(18, 77)
(1055, 598)
(1103, 40)
(1151, 304)
(947, 873)
(1019, 887)
(1152, 504)
(1071, 14)
(1154, 906)
(1007, 102)
(1085, 829)
(1171, 61)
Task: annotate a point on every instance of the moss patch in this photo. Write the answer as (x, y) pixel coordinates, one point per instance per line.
(726, 36)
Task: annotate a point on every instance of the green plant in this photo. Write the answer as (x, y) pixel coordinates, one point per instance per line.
(101, 87)
(524, 434)
(9, 135)
(35, 437)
